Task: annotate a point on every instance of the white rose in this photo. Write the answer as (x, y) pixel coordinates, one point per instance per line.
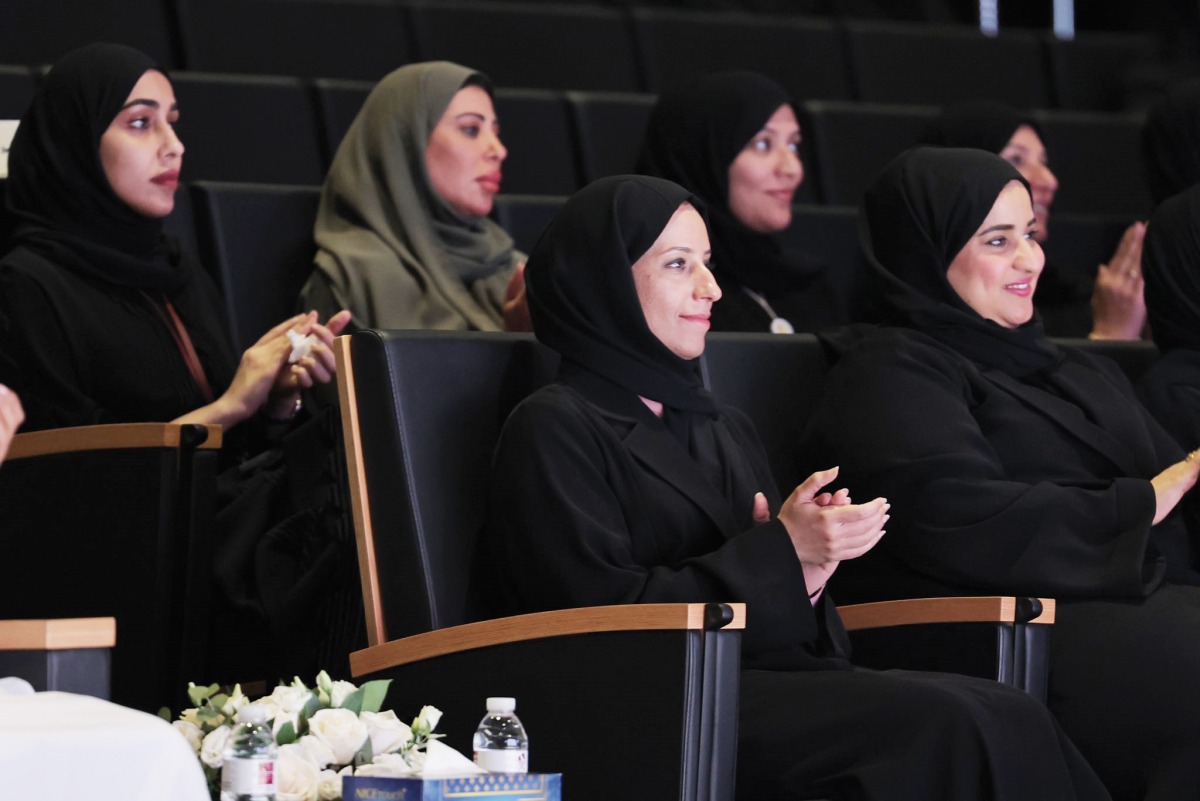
(235, 702)
(191, 732)
(429, 717)
(329, 786)
(212, 749)
(290, 698)
(386, 731)
(268, 704)
(340, 730)
(385, 765)
(339, 692)
(315, 751)
(296, 779)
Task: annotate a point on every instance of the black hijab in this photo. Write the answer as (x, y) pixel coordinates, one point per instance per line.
(64, 207)
(1171, 266)
(695, 132)
(579, 283)
(983, 124)
(1171, 141)
(916, 216)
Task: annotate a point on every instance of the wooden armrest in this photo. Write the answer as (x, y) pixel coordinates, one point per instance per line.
(540, 625)
(58, 635)
(989, 609)
(113, 437)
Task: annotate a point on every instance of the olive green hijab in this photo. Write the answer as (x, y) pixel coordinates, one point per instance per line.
(389, 248)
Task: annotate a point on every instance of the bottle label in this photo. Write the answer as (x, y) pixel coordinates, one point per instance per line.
(241, 776)
(503, 760)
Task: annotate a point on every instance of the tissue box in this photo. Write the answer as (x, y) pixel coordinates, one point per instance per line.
(490, 786)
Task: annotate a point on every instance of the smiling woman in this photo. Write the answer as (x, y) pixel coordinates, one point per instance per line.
(403, 238)
(733, 139)
(1017, 466)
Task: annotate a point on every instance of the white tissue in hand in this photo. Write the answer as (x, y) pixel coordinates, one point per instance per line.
(301, 346)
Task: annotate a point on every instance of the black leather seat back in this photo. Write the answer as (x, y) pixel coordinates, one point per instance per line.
(257, 238)
(776, 380)
(431, 405)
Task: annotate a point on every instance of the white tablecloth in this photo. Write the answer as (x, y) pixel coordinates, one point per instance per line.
(71, 747)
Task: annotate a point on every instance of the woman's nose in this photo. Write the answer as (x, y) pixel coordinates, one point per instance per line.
(707, 287)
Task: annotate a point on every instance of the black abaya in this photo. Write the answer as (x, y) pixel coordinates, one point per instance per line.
(1171, 266)
(1015, 467)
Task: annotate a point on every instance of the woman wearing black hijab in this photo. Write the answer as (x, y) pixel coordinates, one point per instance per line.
(732, 138)
(625, 482)
(1021, 467)
(102, 318)
(1074, 300)
(1171, 263)
(1171, 141)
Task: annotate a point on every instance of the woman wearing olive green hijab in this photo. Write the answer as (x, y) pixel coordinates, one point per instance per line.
(402, 233)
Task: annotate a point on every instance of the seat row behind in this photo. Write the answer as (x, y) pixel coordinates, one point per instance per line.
(588, 47)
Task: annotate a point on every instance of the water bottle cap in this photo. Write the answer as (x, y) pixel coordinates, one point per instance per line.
(499, 704)
(252, 713)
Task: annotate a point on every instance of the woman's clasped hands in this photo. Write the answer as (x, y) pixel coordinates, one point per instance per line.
(266, 380)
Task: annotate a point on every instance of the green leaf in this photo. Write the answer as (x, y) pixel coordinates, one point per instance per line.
(312, 706)
(199, 694)
(287, 734)
(165, 714)
(373, 694)
(354, 701)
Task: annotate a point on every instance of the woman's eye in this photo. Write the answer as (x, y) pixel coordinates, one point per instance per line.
(1016, 161)
(470, 130)
(676, 264)
(1031, 234)
(762, 145)
(794, 147)
(998, 242)
(139, 123)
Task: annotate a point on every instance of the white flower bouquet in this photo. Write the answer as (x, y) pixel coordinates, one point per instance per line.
(332, 730)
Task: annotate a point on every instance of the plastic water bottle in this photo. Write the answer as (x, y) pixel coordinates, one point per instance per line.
(248, 771)
(501, 745)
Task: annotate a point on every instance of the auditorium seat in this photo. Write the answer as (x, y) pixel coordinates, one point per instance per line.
(535, 125)
(1089, 71)
(851, 142)
(338, 102)
(181, 222)
(258, 240)
(609, 127)
(530, 45)
(524, 217)
(1083, 241)
(248, 128)
(17, 86)
(1097, 160)
(807, 56)
(115, 521)
(40, 31)
(928, 64)
(831, 234)
(362, 39)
